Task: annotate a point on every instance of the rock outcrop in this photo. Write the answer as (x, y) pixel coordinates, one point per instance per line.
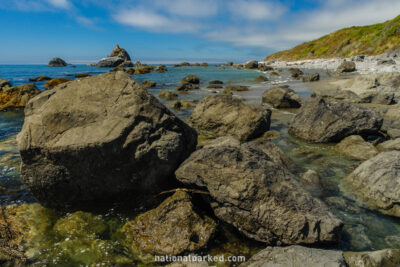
(14, 97)
(296, 256)
(281, 97)
(389, 145)
(118, 57)
(263, 200)
(98, 138)
(376, 182)
(224, 115)
(57, 62)
(252, 64)
(321, 121)
(172, 228)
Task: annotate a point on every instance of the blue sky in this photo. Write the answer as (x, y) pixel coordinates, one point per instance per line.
(84, 31)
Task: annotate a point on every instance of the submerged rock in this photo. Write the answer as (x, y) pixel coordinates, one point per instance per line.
(144, 69)
(172, 228)
(311, 77)
(39, 79)
(193, 79)
(185, 87)
(356, 147)
(379, 258)
(148, 84)
(17, 96)
(376, 182)
(261, 78)
(257, 195)
(322, 122)
(167, 95)
(296, 256)
(161, 68)
(215, 82)
(57, 62)
(224, 115)
(281, 97)
(95, 139)
(235, 88)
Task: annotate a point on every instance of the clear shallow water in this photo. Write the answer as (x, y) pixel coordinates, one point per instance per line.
(363, 230)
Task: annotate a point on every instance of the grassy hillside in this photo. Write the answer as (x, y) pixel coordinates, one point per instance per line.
(365, 40)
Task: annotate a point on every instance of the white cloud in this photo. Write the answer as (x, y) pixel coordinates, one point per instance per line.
(59, 3)
(154, 22)
(190, 8)
(256, 10)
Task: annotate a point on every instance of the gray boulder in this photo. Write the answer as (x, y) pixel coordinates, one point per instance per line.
(57, 62)
(376, 182)
(296, 73)
(98, 139)
(252, 64)
(322, 122)
(281, 97)
(222, 115)
(296, 256)
(346, 66)
(258, 196)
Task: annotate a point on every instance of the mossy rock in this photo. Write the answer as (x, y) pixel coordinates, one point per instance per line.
(56, 81)
(144, 69)
(39, 79)
(81, 224)
(235, 88)
(148, 84)
(170, 229)
(261, 78)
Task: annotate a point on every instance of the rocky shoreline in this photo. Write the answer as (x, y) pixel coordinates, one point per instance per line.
(105, 139)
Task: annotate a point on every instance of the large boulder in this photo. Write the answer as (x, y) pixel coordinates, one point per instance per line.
(224, 115)
(172, 228)
(281, 97)
(346, 66)
(296, 256)
(356, 147)
(97, 139)
(57, 62)
(253, 192)
(376, 182)
(15, 97)
(321, 121)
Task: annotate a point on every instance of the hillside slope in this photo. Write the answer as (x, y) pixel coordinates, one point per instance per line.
(365, 40)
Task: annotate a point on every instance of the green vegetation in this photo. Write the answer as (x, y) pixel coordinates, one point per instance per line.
(365, 40)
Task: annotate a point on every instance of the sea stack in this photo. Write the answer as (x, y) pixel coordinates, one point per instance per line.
(57, 62)
(118, 57)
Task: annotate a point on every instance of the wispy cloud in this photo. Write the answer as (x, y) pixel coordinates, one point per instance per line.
(256, 10)
(59, 3)
(154, 22)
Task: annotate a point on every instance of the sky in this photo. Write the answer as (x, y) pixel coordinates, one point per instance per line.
(167, 31)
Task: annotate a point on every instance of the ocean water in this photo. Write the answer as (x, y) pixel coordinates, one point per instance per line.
(363, 229)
